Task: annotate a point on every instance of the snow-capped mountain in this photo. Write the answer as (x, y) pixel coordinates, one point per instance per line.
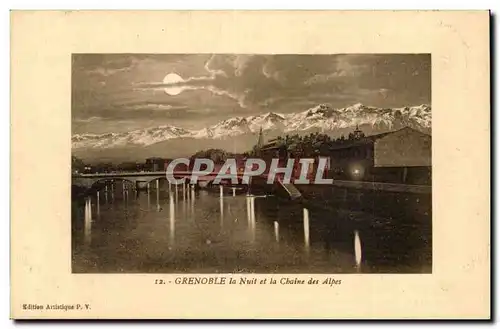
(146, 136)
(322, 117)
(226, 128)
(242, 125)
(326, 118)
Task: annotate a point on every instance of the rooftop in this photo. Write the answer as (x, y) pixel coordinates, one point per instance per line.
(368, 139)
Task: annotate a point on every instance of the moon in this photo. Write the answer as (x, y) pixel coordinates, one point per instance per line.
(173, 78)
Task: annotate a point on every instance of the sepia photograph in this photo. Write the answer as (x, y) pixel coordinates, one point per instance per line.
(251, 163)
(291, 164)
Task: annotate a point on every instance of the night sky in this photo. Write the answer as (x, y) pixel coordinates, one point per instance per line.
(123, 92)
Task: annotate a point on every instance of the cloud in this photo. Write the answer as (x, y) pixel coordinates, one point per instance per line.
(214, 71)
(87, 120)
(343, 67)
(155, 107)
(239, 98)
(269, 72)
(250, 80)
(323, 78)
(121, 87)
(187, 86)
(104, 65)
(240, 63)
(383, 92)
(223, 71)
(234, 76)
(106, 72)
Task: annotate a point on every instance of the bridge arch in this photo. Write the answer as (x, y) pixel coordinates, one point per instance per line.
(103, 181)
(87, 182)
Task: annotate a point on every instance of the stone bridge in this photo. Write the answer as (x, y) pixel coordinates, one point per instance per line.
(138, 180)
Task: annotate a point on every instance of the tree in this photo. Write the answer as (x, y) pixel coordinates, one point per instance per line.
(127, 166)
(77, 164)
(218, 156)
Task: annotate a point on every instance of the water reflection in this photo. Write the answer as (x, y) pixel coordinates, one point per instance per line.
(98, 204)
(221, 206)
(277, 231)
(158, 207)
(306, 227)
(172, 220)
(206, 232)
(88, 221)
(184, 200)
(192, 201)
(357, 249)
(251, 216)
(149, 197)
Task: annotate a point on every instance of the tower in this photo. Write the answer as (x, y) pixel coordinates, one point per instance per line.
(358, 134)
(260, 141)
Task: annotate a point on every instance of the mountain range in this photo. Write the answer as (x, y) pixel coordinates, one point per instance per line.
(243, 130)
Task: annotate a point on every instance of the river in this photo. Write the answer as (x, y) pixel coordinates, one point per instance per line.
(197, 231)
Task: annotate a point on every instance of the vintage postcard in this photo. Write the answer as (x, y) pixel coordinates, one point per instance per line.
(328, 165)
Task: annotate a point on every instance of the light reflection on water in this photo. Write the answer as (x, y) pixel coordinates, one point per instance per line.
(202, 232)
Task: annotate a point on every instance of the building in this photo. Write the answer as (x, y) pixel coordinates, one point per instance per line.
(401, 156)
(155, 164)
(274, 149)
(277, 149)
